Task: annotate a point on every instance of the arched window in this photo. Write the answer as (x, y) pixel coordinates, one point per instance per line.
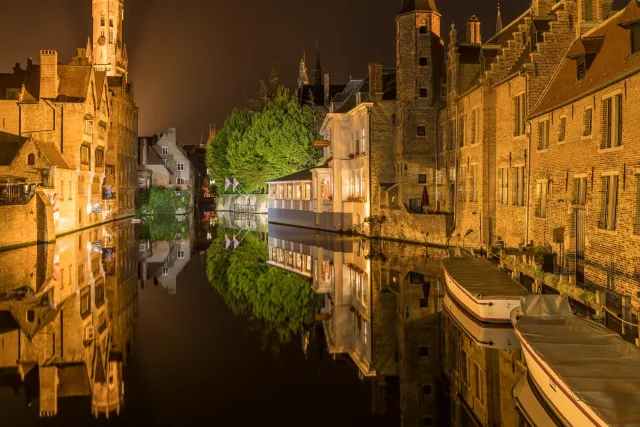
(111, 22)
(102, 20)
(31, 159)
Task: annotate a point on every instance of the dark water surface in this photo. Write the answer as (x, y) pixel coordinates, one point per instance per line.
(381, 352)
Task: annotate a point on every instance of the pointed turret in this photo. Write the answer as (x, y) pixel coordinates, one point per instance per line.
(89, 51)
(303, 78)
(499, 20)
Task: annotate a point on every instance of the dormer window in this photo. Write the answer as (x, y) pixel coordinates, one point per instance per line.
(581, 63)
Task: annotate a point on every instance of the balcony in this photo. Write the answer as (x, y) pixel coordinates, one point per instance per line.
(15, 191)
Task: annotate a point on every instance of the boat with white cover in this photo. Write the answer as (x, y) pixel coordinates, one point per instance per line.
(585, 373)
(483, 290)
(487, 335)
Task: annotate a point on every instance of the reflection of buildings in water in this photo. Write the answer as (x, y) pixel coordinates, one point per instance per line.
(162, 262)
(57, 330)
(482, 365)
(243, 220)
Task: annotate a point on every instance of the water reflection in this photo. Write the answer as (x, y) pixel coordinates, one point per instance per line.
(385, 306)
(67, 314)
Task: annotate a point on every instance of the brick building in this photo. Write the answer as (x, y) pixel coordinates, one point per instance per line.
(71, 131)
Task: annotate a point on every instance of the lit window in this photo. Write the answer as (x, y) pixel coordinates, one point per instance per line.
(541, 199)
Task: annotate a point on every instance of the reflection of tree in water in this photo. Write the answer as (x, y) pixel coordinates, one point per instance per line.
(164, 227)
(283, 301)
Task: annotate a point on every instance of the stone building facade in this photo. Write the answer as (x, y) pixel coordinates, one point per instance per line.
(71, 131)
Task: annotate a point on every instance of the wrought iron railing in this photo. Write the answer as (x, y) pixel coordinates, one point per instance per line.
(16, 193)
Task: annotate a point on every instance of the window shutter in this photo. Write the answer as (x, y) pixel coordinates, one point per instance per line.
(606, 124)
(619, 136)
(516, 116)
(614, 202)
(604, 189)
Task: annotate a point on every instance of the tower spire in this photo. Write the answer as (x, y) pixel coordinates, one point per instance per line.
(317, 72)
(499, 20)
(303, 78)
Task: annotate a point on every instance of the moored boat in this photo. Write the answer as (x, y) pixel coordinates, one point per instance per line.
(486, 292)
(585, 373)
(487, 335)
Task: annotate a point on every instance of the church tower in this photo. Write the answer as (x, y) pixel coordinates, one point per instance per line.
(419, 95)
(109, 50)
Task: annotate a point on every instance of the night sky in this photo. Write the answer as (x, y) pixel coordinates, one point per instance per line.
(192, 62)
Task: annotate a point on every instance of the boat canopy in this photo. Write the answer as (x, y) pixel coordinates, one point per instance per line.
(481, 279)
(600, 368)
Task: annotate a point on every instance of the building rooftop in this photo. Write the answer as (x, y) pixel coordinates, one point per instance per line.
(302, 175)
(421, 5)
(610, 42)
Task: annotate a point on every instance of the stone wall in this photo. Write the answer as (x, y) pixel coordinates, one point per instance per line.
(400, 225)
(27, 224)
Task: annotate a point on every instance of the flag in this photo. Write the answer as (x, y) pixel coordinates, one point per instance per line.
(235, 184)
(227, 183)
(235, 242)
(227, 242)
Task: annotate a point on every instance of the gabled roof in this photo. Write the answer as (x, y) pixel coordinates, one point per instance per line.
(52, 155)
(74, 82)
(612, 63)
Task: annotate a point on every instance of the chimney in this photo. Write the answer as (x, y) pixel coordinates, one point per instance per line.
(473, 30)
(17, 68)
(376, 86)
(542, 7)
(327, 88)
(49, 74)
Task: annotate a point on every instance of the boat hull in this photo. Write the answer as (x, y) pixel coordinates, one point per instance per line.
(497, 310)
(483, 334)
(556, 393)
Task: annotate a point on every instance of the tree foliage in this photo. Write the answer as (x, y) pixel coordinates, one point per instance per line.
(271, 139)
(161, 201)
(282, 300)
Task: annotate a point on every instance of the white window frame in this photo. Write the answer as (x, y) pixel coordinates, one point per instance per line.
(181, 254)
(88, 127)
(165, 151)
(180, 167)
(610, 197)
(165, 271)
(612, 139)
(180, 180)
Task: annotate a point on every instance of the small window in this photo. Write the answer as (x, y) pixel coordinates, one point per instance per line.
(99, 158)
(31, 159)
(85, 155)
(179, 180)
(422, 178)
(543, 134)
(541, 199)
(181, 166)
(423, 61)
(609, 210)
(424, 351)
(422, 29)
(562, 131)
(88, 127)
(180, 254)
(423, 92)
(165, 271)
(422, 130)
(165, 150)
(31, 316)
(587, 122)
(102, 21)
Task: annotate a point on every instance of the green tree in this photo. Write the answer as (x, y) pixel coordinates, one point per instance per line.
(278, 142)
(233, 129)
(283, 301)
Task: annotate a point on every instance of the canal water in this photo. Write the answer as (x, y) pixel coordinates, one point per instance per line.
(184, 322)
